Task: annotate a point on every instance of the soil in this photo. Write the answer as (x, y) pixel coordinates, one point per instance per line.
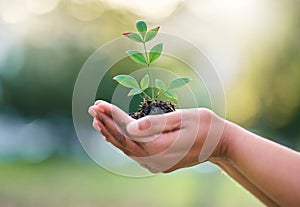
(152, 107)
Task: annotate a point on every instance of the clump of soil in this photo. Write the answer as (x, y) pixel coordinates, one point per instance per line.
(151, 107)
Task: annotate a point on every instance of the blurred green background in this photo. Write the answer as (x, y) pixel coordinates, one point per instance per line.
(254, 45)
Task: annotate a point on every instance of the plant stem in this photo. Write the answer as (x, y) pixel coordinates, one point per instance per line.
(146, 94)
(147, 58)
(149, 71)
(160, 94)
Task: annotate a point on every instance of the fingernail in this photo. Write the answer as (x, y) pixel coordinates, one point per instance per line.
(96, 126)
(98, 105)
(98, 102)
(145, 124)
(139, 125)
(100, 108)
(92, 111)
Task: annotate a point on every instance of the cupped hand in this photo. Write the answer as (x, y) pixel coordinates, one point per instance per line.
(162, 143)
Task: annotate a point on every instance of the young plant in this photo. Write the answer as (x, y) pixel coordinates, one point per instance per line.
(146, 58)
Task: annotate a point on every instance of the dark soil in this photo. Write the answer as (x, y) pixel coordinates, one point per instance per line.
(151, 107)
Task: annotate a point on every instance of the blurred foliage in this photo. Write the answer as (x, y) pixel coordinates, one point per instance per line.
(267, 98)
(52, 53)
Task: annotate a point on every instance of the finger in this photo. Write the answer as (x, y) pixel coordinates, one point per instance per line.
(155, 124)
(124, 141)
(108, 137)
(100, 128)
(118, 115)
(92, 111)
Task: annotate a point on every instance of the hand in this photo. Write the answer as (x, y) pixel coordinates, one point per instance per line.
(162, 143)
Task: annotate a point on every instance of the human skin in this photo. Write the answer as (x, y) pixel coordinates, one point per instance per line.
(268, 170)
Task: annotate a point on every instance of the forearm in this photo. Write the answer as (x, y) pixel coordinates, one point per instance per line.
(235, 174)
(272, 168)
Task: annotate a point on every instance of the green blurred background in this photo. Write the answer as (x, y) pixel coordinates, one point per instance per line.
(254, 45)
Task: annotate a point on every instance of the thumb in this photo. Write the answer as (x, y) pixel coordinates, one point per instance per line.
(155, 124)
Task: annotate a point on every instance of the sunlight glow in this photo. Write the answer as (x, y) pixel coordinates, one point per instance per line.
(41, 6)
(150, 9)
(13, 11)
(85, 10)
(232, 13)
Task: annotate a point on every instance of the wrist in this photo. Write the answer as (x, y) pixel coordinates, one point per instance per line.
(222, 151)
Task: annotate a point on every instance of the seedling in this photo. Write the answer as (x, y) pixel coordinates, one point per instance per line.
(153, 104)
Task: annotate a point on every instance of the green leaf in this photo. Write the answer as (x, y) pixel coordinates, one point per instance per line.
(160, 84)
(155, 52)
(171, 94)
(141, 27)
(145, 82)
(151, 34)
(136, 56)
(178, 82)
(133, 36)
(127, 81)
(134, 91)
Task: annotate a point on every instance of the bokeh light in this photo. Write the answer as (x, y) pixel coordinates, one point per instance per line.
(153, 10)
(41, 6)
(86, 10)
(14, 11)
